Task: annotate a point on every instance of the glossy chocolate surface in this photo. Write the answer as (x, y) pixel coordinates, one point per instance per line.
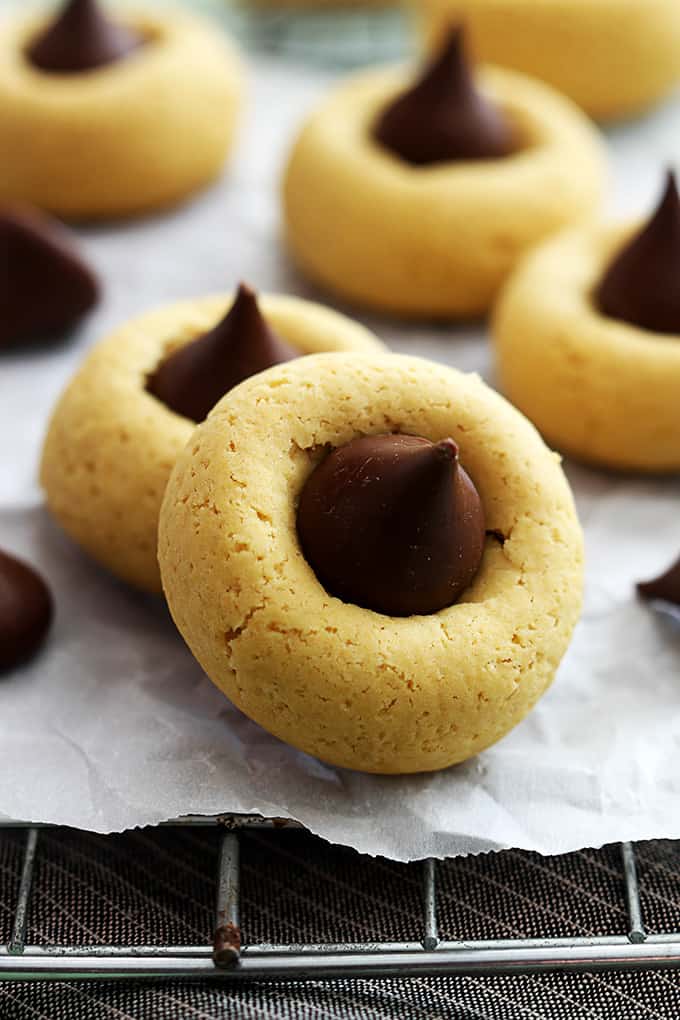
(665, 588)
(192, 379)
(25, 611)
(81, 38)
(45, 287)
(444, 117)
(642, 284)
(392, 523)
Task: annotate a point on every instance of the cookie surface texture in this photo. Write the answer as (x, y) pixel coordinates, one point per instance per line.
(353, 687)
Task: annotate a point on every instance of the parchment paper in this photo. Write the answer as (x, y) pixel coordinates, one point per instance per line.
(115, 725)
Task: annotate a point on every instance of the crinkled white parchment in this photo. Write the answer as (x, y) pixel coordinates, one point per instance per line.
(115, 725)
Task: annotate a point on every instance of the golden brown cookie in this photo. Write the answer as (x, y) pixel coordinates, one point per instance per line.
(435, 240)
(613, 59)
(122, 138)
(356, 687)
(587, 338)
(111, 444)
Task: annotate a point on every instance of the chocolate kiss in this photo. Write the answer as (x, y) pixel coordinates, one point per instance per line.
(45, 287)
(392, 523)
(25, 611)
(195, 377)
(642, 285)
(81, 39)
(443, 117)
(665, 588)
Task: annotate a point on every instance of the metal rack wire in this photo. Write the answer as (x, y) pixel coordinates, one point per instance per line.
(231, 959)
(327, 38)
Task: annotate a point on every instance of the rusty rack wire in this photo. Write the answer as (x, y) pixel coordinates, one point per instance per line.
(229, 959)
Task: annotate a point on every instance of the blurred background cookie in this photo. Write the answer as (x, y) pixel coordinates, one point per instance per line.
(113, 115)
(417, 197)
(613, 59)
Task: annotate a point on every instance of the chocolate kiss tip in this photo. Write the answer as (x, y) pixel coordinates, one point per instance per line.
(665, 588)
(45, 287)
(392, 523)
(670, 199)
(81, 38)
(449, 448)
(25, 611)
(443, 117)
(451, 54)
(642, 284)
(192, 379)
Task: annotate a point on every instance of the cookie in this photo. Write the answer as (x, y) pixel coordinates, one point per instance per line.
(599, 385)
(111, 443)
(612, 59)
(436, 238)
(353, 686)
(101, 140)
(332, 5)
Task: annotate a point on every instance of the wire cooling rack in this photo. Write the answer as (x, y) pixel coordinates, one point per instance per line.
(331, 37)
(230, 958)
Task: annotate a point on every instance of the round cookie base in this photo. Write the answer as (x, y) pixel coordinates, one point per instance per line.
(432, 242)
(356, 688)
(111, 445)
(600, 390)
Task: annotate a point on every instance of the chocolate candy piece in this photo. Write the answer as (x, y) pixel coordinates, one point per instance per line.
(642, 285)
(25, 611)
(392, 523)
(665, 588)
(45, 287)
(80, 39)
(195, 377)
(443, 117)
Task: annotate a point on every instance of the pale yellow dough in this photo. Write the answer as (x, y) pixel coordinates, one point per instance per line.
(612, 57)
(123, 139)
(433, 241)
(597, 388)
(111, 446)
(353, 687)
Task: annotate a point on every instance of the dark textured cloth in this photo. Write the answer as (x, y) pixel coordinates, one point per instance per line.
(158, 887)
(561, 997)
